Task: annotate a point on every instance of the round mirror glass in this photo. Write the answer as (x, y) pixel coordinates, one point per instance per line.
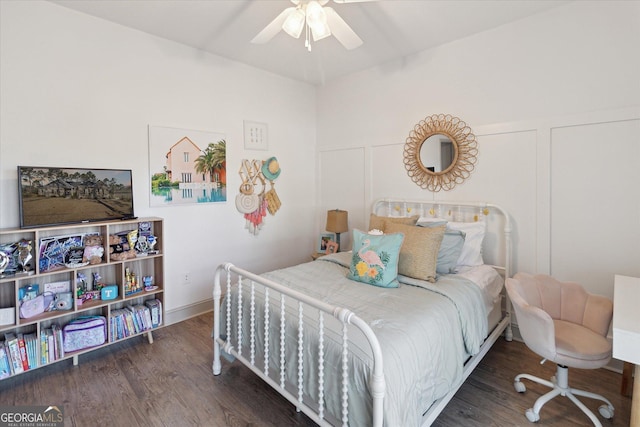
(437, 153)
(440, 152)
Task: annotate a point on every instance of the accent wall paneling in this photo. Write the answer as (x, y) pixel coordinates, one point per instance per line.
(595, 202)
(505, 174)
(342, 185)
(387, 170)
(572, 216)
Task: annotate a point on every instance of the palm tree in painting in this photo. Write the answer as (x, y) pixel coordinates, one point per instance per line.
(213, 159)
(220, 157)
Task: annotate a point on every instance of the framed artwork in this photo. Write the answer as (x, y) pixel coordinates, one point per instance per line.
(323, 240)
(256, 136)
(332, 248)
(186, 166)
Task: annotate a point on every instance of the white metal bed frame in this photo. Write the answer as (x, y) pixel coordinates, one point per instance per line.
(458, 211)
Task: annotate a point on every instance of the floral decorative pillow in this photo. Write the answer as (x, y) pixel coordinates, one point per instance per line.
(375, 259)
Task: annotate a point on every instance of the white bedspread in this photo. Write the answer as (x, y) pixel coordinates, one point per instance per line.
(426, 331)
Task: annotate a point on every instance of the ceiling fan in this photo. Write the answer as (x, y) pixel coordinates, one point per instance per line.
(318, 21)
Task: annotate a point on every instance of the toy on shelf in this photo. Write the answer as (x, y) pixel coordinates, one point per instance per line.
(24, 256)
(15, 258)
(93, 249)
(121, 245)
(131, 283)
(147, 281)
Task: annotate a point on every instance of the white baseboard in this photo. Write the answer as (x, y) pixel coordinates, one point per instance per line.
(188, 311)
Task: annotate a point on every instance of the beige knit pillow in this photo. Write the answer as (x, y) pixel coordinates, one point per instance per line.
(419, 251)
(378, 222)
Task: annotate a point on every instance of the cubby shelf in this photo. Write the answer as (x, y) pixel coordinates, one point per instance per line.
(111, 270)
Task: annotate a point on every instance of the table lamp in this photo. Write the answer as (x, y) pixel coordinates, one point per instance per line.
(337, 222)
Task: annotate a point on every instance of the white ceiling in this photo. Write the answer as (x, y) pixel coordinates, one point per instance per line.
(390, 29)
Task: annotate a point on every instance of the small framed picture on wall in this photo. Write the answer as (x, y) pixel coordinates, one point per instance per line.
(332, 248)
(323, 240)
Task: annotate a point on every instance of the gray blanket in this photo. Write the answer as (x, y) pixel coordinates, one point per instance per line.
(426, 331)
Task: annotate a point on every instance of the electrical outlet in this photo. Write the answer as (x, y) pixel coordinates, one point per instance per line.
(186, 278)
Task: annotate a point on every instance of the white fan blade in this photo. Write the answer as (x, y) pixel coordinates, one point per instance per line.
(273, 28)
(341, 30)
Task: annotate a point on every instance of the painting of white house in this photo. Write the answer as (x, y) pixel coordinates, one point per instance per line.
(186, 166)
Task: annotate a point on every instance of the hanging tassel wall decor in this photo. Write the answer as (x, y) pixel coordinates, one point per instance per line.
(249, 202)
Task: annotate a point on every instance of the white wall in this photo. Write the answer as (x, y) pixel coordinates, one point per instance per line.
(554, 100)
(80, 91)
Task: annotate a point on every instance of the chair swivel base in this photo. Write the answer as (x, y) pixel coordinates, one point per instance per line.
(560, 387)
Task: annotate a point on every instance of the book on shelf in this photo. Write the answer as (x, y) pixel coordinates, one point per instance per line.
(23, 352)
(131, 320)
(5, 364)
(155, 305)
(31, 343)
(147, 318)
(51, 346)
(57, 335)
(44, 348)
(140, 313)
(144, 316)
(11, 342)
(117, 322)
(131, 328)
(134, 327)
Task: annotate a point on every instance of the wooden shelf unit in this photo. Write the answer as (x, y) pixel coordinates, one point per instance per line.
(112, 272)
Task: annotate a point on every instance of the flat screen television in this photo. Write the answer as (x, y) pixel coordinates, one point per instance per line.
(53, 195)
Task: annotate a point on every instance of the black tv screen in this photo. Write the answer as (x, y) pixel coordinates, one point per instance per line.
(53, 195)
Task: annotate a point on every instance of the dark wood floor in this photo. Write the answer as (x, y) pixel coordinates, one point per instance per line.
(169, 383)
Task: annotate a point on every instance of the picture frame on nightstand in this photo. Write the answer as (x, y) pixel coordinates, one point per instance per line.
(323, 240)
(332, 248)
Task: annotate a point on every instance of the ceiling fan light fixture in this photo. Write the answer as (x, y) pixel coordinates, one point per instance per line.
(315, 14)
(320, 32)
(317, 20)
(294, 23)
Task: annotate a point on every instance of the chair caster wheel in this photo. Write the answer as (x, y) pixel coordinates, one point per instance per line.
(532, 416)
(606, 411)
(519, 386)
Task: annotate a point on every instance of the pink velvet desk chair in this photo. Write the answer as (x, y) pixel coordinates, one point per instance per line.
(563, 323)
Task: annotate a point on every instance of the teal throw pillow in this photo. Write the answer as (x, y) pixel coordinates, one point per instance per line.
(375, 259)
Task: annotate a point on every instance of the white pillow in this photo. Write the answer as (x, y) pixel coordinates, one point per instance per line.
(471, 254)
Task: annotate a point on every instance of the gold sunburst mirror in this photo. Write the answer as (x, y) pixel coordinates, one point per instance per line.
(440, 152)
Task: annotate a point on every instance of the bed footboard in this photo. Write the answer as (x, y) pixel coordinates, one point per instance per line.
(275, 294)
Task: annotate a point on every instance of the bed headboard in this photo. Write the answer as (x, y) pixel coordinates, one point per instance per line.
(496, 247)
